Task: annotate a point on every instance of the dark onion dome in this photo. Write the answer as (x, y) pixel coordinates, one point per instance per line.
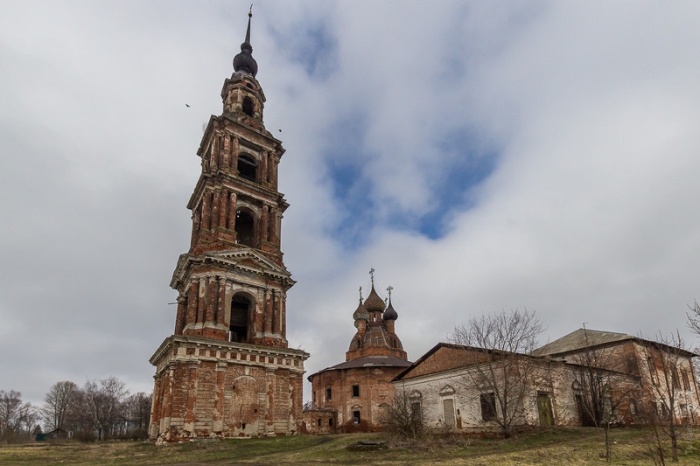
(390, 313)
(360, 313)
(244, 61)
(374, 303)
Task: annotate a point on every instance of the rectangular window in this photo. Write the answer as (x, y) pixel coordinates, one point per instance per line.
(313, 396)
(329, 394)
(652, 371)
(488, 406)
(355, 391)
(674, 378)
(416, 411)
(686, 381)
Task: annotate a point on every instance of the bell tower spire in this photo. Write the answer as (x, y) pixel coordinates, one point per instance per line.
(244, 61)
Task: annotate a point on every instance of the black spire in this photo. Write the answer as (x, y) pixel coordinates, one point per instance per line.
(244, 61)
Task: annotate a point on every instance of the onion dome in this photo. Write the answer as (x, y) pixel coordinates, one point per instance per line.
(360, 313)
(390, 313)
(374, 303)
(244, 61)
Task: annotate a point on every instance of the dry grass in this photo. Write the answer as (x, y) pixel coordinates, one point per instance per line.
(577, 446)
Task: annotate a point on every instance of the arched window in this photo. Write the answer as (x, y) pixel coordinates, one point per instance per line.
(240, 309)
(245, 228)
(248, 106)
(247, 168)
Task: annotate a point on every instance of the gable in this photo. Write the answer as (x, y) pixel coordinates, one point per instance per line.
(443, 358)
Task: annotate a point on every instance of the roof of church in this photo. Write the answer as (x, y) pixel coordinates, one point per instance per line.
(367, 361)
(580, 338)
(371, 361)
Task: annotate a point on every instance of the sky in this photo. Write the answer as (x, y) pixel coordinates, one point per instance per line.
(481, 156)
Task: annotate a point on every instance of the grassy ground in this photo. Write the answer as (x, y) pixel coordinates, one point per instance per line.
(576, 446)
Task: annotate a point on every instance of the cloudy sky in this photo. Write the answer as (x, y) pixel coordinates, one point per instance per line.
(480, 156)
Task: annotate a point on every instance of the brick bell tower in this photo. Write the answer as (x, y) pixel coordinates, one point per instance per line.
(227, 371)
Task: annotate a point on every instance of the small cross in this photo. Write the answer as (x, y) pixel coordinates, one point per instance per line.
(371, 274)
(360, 295)
(388, 290)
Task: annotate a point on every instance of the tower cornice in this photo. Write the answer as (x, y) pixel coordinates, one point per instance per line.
(231, 260)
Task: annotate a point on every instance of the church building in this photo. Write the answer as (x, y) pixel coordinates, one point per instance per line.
(359, 390)
(227, 370)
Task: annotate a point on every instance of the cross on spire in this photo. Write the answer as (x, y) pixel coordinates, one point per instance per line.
(360, 295)
(371, 274)
(388, 290)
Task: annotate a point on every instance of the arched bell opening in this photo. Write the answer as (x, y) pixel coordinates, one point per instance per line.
(241, 310)
(245, 228)
(247, 168)
(248, 106)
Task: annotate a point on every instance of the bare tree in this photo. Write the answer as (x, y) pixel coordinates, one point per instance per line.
(404, 416)
(498, 345)
(58, 402)
(601, 388)
(694, 318)
(16, 417)
(137, 411)
(667, 371)
(102, 402)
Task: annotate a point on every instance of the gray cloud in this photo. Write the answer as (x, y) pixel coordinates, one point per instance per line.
(589, 214)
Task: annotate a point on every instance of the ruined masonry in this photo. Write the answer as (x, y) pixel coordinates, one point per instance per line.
(227, 371)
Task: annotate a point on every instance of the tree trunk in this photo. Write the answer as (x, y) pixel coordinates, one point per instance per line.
(674, 441)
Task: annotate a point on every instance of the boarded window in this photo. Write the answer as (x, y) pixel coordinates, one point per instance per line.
(448, 408)
(488, 406)
(544, 409)
(416, 413)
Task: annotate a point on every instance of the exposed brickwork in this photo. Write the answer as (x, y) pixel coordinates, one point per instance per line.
(360, 389)
(227, 371)
(232, 391)
(374, 390)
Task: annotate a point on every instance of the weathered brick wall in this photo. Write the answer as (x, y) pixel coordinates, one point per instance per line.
(319, 422)
(444, 359)
(207, 389)
(376, 391)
